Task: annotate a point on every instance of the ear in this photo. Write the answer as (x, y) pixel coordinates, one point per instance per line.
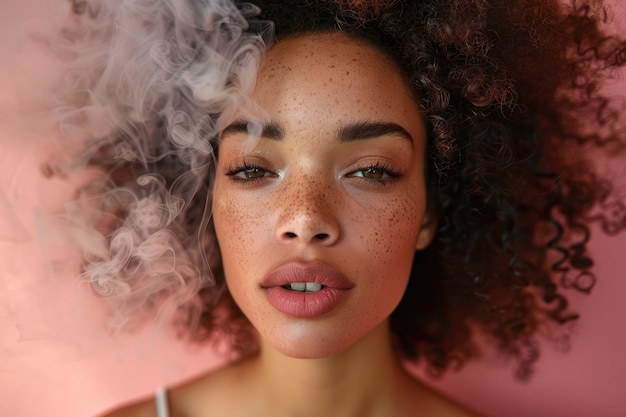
(427, 231)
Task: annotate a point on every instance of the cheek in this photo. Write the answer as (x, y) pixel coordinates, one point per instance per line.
(238, 227)
(384, 259)
(393, 230)
(402, 226)
(387, 241)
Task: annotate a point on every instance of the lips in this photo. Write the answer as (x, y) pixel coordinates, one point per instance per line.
(306, 290)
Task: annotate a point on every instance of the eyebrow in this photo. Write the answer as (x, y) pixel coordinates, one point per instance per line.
(369, 130)
(351, 132)
(270, 131)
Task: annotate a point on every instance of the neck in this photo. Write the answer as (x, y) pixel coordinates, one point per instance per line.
(347, 384)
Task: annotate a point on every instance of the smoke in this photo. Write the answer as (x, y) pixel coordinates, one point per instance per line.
(149, 84)
(130, 100)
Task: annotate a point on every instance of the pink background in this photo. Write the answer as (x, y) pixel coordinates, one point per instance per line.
(46, 369)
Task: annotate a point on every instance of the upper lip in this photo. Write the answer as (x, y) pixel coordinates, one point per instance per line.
(318, 272)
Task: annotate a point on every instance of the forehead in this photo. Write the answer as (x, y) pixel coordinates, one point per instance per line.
(334, 70)
(324, 46)
(311, 53)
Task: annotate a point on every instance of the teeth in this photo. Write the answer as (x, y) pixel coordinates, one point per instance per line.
(304, 286)
(298, 286)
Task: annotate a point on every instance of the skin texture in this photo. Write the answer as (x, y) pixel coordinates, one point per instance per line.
(313, 185)
(312, 202)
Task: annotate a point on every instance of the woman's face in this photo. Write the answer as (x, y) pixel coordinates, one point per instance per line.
(319, 219)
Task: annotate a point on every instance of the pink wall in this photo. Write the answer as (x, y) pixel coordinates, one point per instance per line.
(47, 370)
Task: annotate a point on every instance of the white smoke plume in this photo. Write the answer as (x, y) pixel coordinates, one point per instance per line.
(141, 91)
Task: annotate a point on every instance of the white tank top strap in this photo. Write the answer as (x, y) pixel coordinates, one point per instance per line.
(160, 398)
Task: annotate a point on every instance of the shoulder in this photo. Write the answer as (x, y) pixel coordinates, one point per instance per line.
(206, 394)
(425, 400)
(449, 408)
(437, 404)
(143, 408)
(216, 393)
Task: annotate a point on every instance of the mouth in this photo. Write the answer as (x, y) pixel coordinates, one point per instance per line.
(306, 277)
(306, 290)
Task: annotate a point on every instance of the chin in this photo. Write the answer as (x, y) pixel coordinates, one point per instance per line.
(302, 342)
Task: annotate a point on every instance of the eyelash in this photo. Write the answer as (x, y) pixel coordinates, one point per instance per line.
(391, 175)
(234, 170)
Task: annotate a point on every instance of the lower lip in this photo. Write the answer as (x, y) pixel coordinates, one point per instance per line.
(305, 304)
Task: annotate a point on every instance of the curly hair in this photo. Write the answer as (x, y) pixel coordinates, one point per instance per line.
(509, 91)
(511, 94)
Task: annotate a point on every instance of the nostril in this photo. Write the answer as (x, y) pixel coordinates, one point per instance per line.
(290, 235)
(321, 236)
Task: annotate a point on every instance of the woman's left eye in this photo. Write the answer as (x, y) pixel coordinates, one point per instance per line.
(376, 173)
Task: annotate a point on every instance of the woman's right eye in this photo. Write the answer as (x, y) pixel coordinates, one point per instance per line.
(247, 173)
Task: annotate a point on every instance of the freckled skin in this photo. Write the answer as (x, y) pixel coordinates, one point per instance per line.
(311, 206)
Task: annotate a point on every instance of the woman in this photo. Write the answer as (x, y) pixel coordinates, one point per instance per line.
(405, 171)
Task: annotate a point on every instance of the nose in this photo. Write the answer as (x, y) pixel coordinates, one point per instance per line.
(308, 216)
